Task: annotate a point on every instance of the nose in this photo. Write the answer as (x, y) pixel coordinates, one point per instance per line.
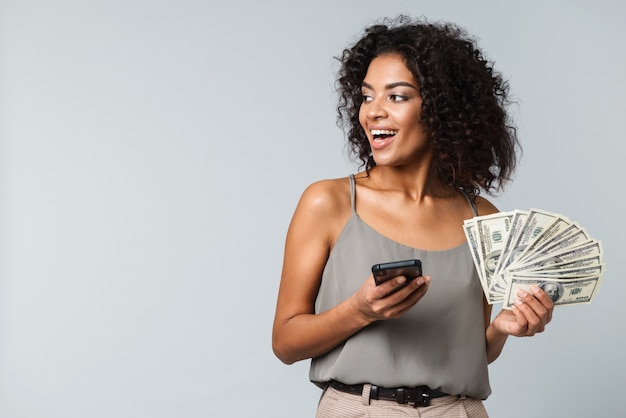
(376, 109)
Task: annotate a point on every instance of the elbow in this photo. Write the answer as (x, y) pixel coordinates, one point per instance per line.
(282, 356)
(281, 351)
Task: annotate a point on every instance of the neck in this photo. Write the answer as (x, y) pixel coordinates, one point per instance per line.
(415, 182)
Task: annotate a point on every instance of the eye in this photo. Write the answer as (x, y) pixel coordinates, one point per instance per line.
(397, 98)
(367, 98)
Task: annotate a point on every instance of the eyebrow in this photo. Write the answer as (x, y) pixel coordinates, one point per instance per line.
(391, 85)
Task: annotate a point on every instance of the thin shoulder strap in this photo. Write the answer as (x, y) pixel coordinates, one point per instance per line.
(470, 201)
(352, 193)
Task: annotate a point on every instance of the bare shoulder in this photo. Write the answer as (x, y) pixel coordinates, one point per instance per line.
(322, 212)
(326, 197)
(484, 206)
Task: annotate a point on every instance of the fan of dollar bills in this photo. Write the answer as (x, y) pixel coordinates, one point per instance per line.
(519, 249)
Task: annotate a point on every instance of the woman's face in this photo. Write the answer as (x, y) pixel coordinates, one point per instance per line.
(390, 113)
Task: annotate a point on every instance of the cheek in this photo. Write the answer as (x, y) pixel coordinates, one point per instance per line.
(413, 120)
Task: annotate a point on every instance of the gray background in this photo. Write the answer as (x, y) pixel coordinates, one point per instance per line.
(151, 156)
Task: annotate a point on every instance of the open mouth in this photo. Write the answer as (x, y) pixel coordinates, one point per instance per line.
(382, 134)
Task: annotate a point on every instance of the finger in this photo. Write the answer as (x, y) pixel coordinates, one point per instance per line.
(541, 304)
(387, 296)
(407, 297)
(521, 323)
(416, 291)
(405, 290)
(535, 321)
(547, 302)
(416, 288)
(420, 286)
(389, 286)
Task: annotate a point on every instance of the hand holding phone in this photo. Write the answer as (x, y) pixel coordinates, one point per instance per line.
(407, 268)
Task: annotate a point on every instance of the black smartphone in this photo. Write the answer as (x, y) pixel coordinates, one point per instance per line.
(407, 268)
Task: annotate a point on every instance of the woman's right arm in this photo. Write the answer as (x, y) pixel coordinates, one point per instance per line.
(298, 332)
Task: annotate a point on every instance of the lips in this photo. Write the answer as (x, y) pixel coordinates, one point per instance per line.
(382, 137)
(383, 132)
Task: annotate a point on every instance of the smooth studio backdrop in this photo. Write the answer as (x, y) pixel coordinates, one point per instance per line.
(152, 154)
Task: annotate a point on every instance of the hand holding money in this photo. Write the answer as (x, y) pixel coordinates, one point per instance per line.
(520, 249)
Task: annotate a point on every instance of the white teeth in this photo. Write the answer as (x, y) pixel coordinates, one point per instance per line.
(383, 132)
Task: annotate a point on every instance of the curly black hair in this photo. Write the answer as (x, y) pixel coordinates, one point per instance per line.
(464, 100)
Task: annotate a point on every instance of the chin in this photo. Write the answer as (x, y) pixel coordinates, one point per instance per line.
(389, 162)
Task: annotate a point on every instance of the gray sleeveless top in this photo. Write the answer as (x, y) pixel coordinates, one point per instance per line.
(440, 342)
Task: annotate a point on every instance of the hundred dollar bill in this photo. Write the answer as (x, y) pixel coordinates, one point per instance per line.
(492, 232)
(564, 274)
(539, 234)
(496, 290)
(562, 292)
(498, 286)
(536, 223)
(470, 227)
(572, 236)
(517, 223)
(590, 261)
(588, 249)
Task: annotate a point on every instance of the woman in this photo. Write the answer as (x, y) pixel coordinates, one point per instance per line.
(425, 113)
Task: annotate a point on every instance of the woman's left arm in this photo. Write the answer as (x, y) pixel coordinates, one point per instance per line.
(529, 315)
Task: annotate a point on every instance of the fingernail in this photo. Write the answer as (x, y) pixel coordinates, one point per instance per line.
(534, 289)
(401, 279)
(518, 302)
(521, 293)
